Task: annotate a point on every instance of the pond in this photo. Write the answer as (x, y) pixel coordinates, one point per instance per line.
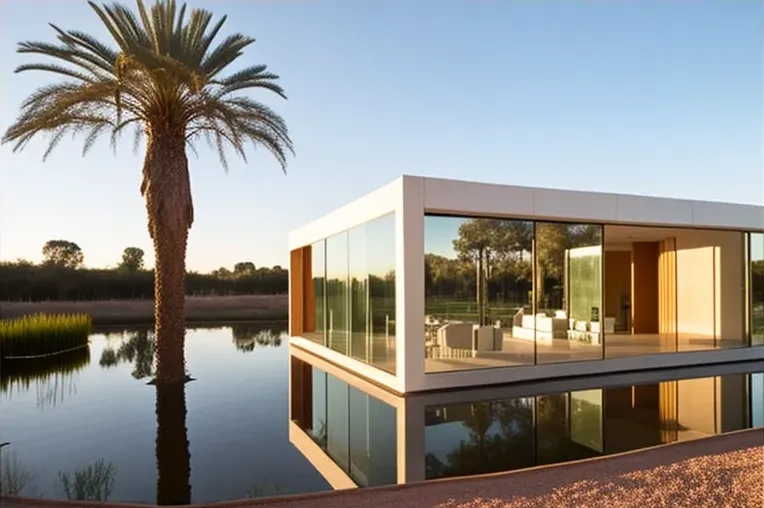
(88, 426)
(96, 411)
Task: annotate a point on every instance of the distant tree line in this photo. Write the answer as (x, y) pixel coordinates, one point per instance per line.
(62, 276)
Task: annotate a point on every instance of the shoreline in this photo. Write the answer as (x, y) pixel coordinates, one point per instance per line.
(199, 309)
(719, 471)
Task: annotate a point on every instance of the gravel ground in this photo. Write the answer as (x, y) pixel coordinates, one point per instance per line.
(717, 472)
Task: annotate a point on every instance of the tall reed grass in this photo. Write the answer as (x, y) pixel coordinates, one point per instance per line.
(43, 334)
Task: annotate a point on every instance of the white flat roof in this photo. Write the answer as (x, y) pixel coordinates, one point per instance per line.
(458, 197)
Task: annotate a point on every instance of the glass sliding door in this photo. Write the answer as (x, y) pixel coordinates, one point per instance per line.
(478, 287)
(337, 293)
(359, 293)
(568, 289)
(756, 292)
(316, 331)
(380, 263)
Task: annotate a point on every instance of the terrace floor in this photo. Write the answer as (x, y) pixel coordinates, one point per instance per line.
(520, 352)
(516, 352)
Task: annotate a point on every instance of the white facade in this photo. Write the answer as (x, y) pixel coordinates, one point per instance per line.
(410, 198)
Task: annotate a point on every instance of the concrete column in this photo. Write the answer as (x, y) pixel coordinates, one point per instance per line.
(409, 284)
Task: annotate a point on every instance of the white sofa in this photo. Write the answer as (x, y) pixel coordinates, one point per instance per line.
(545, 328)
(541, 327)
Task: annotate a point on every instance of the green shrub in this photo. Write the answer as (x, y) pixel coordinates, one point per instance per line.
(42, 334)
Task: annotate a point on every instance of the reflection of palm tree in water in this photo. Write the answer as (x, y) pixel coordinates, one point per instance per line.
(172, 449)
(137, 349)
(247, 336)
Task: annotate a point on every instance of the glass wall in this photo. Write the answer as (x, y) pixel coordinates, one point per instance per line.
(315, 322)
(711, 290)
(674, 289)
(568, 292)
(501, 292)
(730, 261)
(354, 285)
(478, 290)
(359, 293)
(337, 293)
(380, 262)
(756, 291)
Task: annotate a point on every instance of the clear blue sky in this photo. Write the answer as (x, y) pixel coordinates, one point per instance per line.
(649, 97)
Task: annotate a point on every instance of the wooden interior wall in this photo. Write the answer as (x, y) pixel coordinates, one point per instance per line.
(644, 287)
(309, 298)
(667, 313)
(617, 280)
(296, 292)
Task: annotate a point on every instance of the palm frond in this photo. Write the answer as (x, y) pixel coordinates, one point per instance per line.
(163, 71)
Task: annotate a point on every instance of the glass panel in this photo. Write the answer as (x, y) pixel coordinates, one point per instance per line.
(568, 292)
(478, 282)
(319, 430)
(359, 293)
(316, 330)
(757, 288)
(373, 441)
(338, 432)
(640, 292)
(337, 293)
(730, 258)
(380, 255)
(710, 289)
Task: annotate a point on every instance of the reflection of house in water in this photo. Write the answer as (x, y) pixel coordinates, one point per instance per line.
(359, 434)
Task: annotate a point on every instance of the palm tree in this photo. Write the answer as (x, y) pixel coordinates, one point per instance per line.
(164, 79)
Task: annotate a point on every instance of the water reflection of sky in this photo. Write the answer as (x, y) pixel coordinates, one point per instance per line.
(236, 420)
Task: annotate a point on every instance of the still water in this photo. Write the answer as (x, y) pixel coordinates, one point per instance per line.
(88, 426)
(99, 413)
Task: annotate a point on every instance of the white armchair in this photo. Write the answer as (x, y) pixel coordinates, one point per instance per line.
(455, 340)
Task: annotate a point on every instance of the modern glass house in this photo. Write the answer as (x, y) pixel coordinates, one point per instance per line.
(428, 284)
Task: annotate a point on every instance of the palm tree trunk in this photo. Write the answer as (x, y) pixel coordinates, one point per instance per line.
(167, 190)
